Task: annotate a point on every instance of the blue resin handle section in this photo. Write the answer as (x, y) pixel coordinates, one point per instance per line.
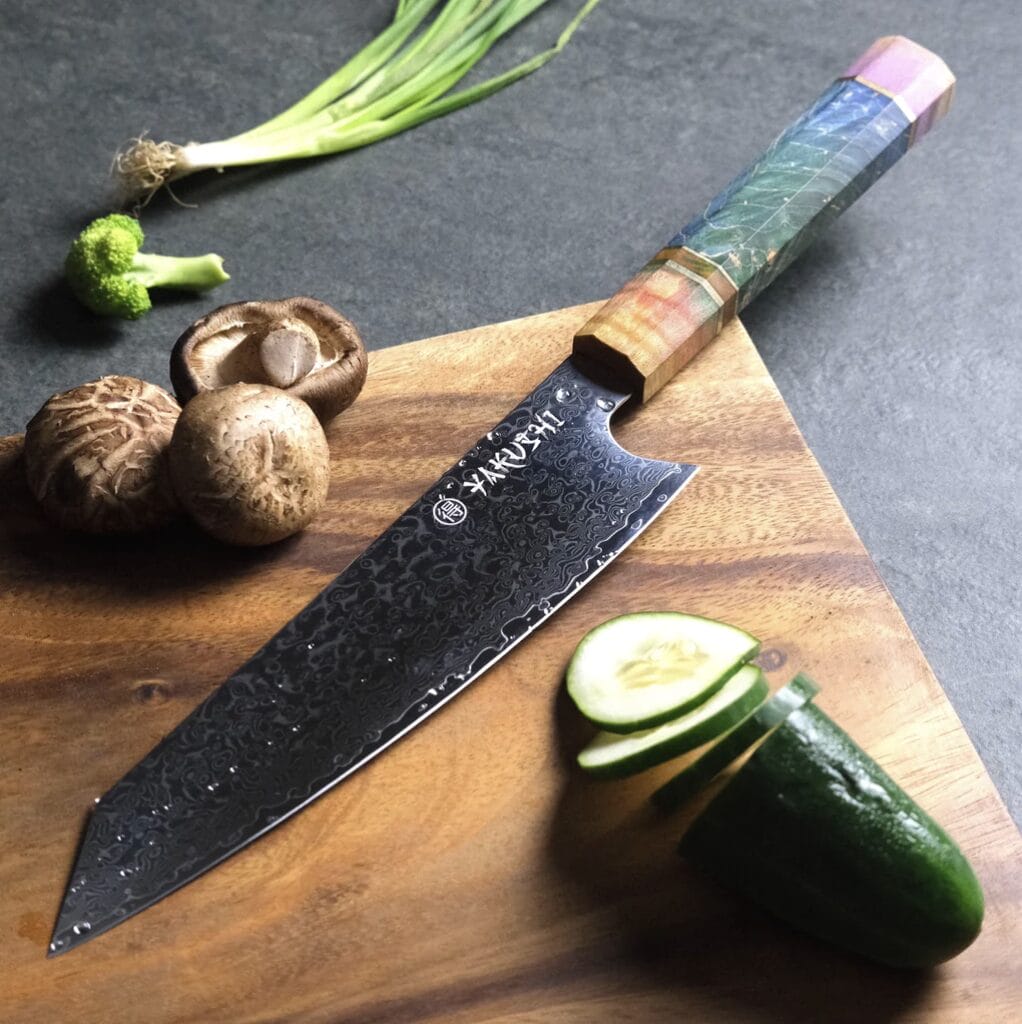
(810, 174)
(669, 311)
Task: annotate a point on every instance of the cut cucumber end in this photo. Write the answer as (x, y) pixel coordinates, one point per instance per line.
(642, 670)
(812, 829)
(614, 756)
(748, 732)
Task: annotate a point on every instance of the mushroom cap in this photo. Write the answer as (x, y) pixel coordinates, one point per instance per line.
(96, 456)
(224, 348)
(250, 463)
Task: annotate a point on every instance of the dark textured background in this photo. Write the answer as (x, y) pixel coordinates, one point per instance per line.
(894, 340)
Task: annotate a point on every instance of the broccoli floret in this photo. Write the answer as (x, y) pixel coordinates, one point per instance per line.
(109, 275)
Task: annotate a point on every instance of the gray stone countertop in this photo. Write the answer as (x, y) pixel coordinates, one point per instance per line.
(894, 340)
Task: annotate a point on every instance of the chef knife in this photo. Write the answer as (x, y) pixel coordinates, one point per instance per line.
(513, 530)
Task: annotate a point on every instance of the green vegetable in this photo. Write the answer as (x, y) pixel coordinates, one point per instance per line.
(107, 272)
(701, 772)
(814, 830)
(396, 82)
(638, 671)
(611, 755)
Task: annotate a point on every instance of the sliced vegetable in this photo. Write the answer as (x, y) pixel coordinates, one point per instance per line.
(638, 671)
(814, 830)
(400, 79)
(611, 755)
(700, 773)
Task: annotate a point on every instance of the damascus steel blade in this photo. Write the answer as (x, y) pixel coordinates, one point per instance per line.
(533, 512)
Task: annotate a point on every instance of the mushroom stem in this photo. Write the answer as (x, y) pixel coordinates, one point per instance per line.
(287, 355)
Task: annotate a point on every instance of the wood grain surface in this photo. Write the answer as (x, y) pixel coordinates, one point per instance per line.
(471, 874)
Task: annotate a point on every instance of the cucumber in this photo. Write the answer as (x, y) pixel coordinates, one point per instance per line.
(701, 772)
(611, 755)
(639, 671)
(813, 829)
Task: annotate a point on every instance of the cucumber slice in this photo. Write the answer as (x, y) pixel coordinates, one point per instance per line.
(613, 756)
(815, 831)
(700, 773)
(638, 671)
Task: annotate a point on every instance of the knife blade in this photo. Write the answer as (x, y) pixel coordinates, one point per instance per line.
(539, 506)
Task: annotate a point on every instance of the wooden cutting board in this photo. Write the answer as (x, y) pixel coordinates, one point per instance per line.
(471, 874)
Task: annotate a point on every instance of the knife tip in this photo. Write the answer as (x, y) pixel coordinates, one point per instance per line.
(57, 946)
(66, 936)
(63, 939)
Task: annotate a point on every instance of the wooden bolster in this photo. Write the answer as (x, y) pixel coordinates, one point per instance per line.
(660, 320)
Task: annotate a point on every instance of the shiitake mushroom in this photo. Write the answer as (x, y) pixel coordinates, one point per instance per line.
(250, 463)
(248, 459)
(96, 456)
(300, 345)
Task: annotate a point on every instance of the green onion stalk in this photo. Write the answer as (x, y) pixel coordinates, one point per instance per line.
(399, 80)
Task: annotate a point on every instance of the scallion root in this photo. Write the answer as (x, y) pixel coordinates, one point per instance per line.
(143, 166)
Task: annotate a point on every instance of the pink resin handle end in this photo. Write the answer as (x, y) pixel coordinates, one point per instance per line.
(916, 79)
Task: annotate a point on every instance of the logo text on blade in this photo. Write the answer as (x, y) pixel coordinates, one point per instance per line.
(449, 512)
(512, 456)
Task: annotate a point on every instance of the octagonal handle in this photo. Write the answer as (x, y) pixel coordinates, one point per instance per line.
(887, 100)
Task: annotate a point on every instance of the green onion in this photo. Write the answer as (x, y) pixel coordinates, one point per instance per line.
(401, 79)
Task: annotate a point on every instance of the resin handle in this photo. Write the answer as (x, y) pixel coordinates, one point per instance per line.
(887, 100)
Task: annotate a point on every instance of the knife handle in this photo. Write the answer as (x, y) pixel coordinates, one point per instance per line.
(886, 101)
